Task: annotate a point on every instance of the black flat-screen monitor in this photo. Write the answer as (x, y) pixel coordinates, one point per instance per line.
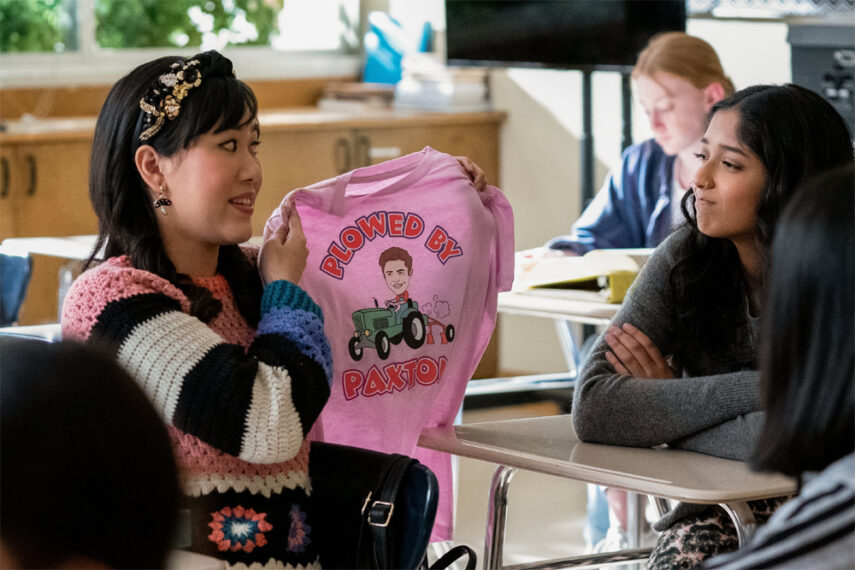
(569, 34)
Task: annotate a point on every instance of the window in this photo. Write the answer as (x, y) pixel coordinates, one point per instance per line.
(767, 9)
(93, 41)
(36, 26)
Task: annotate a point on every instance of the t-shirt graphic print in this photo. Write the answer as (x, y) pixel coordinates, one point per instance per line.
(406, 260)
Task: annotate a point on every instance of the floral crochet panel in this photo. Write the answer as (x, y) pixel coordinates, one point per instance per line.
(298, 534)
(238, 529)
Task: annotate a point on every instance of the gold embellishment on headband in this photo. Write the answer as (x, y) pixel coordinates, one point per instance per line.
(164, 100)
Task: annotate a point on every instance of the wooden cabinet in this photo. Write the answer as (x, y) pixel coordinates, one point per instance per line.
(44, 192)
(293, 159)
(7, 215)
(476, 141)
(294, 156)
(45, 189)
(44, 172)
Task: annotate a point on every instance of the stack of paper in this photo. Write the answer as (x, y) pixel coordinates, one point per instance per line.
(425, 84)
(356, 97)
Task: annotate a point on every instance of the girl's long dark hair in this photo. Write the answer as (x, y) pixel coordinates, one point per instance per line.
(796, 134)
(126, 217)
(807, 351)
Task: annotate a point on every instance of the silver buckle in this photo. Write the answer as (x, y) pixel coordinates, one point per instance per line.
(385, 523)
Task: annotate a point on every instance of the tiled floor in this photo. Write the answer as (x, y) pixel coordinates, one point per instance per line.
(546, 514)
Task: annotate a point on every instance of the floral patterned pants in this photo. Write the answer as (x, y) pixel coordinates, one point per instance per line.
(692, 540)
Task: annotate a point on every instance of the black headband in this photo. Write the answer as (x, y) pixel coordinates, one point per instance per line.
(163, 101)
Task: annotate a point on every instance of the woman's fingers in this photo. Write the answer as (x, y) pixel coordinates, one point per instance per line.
(644, 342)
(637, 352)
(284, 254)
(279, 234)
(658, 366)
(627, 349)
(617, 364)
(295, 224)
(474, 172)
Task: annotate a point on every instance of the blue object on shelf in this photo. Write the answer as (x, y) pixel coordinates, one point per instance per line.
(386, 44)
(426, 43)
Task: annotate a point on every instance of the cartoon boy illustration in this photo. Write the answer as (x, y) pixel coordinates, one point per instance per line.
(397, 267)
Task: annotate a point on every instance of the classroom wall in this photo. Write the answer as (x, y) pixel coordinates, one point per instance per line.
(540, 152)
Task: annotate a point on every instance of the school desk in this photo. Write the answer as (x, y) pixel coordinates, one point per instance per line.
(549, 445)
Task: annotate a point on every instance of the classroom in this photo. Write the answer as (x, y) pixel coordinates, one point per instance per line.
(614, 236)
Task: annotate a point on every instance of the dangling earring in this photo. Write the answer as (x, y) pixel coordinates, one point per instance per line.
(162, 201)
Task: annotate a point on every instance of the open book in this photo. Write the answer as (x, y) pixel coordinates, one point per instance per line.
(600, 275)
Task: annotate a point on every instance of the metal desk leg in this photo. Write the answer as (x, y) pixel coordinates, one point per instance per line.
(569, 345)
(635, 521)
(743, 520)
(634, 518)
(497, 511)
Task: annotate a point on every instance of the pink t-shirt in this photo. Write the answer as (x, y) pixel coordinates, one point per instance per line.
(406, 335)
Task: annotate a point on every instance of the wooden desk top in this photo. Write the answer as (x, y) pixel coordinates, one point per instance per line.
(549, 445)
(68, 247)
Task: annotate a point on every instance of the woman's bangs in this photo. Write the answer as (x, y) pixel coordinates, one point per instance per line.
(226, 104)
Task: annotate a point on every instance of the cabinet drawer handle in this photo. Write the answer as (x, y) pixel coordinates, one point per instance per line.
(31, 163)
(4, 177)
(363, 149)
(342, 155)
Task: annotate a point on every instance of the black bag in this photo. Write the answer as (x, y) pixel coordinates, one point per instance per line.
(373, 510)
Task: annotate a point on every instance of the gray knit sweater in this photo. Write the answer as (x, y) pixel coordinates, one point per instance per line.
(712, 409)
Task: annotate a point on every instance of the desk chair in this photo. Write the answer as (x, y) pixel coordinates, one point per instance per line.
(15, 273)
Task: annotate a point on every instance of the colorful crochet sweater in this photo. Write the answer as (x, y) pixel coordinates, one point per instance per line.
(239, 402)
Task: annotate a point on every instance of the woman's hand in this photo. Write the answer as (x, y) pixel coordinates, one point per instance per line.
(634, 354)
(283, 255)
(476, 175)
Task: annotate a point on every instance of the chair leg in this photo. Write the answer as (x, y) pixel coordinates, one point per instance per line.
(661, 505)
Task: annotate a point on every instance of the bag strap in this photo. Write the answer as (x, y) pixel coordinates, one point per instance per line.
(377, 512)
(382, 508)
(450, 557)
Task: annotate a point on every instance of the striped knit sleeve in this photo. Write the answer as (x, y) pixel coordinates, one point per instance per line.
(256, 405)
(290, 337)
(809, 532)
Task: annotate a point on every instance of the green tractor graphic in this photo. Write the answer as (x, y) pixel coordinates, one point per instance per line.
(381, 327)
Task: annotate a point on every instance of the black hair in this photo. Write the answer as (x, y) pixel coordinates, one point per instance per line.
(87, 467)
(795, 133)
(126, 218)
(807, 352)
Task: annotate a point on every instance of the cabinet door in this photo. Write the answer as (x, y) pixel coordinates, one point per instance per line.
(7, 192)
(294, 159)
(53, 194)
(479, 142)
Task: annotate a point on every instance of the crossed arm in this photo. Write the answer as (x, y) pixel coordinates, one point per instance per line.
(629, 394)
